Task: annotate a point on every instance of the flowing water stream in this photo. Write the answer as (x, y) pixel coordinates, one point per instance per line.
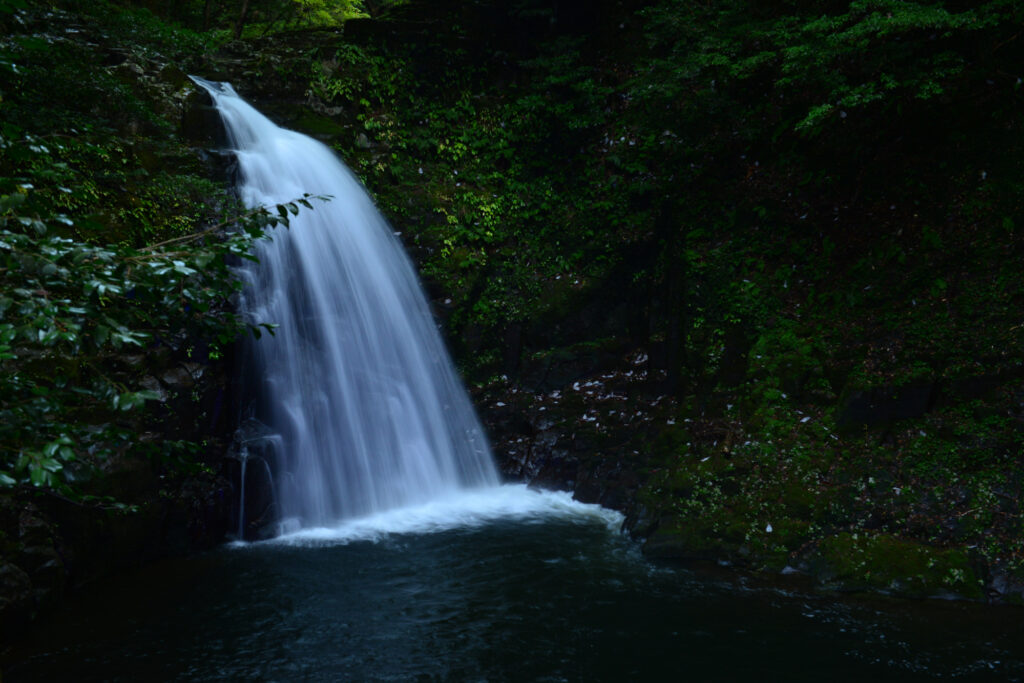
(403, 559)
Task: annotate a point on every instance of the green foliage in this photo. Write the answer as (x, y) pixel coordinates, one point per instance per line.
(327, 12)
(495, 226)
(823, 64)
(71, 311)
(112, 261)
(9, 6)
(746, 120)
(259, 17)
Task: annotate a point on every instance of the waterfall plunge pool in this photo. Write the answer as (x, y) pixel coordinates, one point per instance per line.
(499, 585)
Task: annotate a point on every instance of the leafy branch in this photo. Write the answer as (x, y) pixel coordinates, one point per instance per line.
(70, 309)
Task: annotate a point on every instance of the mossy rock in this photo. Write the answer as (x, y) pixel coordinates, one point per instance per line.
(801, 500)
(687, 539)
(864, 561)
(322, 127)
(772, 549)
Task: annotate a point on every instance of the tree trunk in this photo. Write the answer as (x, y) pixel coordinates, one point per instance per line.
(668, 228)
(241, 19)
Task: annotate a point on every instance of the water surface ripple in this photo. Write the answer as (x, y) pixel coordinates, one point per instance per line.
(550, 593)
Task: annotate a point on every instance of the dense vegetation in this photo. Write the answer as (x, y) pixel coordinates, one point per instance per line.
(261, 17)
(805, 216)
(797, 222)
(112, 265)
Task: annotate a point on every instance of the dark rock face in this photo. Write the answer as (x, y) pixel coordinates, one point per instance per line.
(883, 405)
(572, 423)
(249, 467)
(200, 122)
(880, 406)
(1004, 588)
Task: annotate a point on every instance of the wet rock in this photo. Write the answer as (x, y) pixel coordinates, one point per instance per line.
(554, 469)
(683, 538)
(173, 76)
(249, 468)
(559, 368)
(183, 377)
(115, 57)
(640, 521)
(254, 517)
(154, 385)
(608, 483)
(1005, 588)
(200, 123)
(674, 540)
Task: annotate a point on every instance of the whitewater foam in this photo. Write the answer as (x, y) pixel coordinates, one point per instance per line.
(468, 508)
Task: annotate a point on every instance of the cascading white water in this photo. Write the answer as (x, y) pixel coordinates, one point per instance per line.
(356, 380)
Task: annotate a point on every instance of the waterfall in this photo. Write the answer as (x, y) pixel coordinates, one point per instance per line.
(356, 381)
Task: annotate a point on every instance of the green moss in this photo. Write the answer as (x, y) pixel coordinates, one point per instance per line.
(885, 562)
(318, 125)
